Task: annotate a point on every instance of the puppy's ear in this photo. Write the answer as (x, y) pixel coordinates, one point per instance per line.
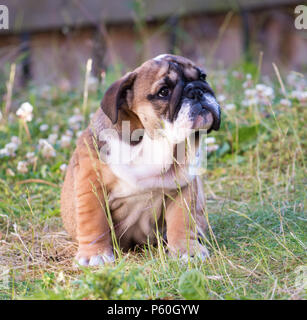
(116, 96)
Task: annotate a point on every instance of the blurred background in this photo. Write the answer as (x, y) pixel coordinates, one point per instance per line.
(58, 57)
(51, 40)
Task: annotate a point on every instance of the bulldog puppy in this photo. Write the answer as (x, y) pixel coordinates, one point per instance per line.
(125, 181)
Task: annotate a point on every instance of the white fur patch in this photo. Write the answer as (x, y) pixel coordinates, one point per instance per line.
(177, 131)
(83, 261)
(160, 57)
(101, 259)
(202, 255)
(96, 260)
(148, 159)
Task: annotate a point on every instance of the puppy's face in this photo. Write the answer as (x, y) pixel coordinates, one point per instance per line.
(168, 92)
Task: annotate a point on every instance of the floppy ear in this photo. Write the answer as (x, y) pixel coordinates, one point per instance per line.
(115, 96)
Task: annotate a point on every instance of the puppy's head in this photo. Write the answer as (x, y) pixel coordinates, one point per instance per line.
(165, 92)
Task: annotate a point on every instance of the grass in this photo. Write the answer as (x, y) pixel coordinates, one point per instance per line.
(256, 206)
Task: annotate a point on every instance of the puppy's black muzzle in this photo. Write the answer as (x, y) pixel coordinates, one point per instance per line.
(203, 95)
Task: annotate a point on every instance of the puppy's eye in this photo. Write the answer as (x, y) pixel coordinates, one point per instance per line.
(164, 92)
(203, 77)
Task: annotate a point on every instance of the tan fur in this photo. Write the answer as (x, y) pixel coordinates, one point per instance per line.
(90, 186)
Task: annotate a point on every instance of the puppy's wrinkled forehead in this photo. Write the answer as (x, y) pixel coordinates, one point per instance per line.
(189, 69)
(166, 67)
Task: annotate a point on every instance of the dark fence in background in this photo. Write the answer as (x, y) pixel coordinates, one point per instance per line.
(51, 40)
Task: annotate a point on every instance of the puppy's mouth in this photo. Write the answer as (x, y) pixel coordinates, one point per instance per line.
(211, 106)
(205, 117)
(205, 111)
(203, 121)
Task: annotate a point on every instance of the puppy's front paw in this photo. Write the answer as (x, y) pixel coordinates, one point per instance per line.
(94, 257)
(189, 251)
(96, 260)
(201, 253)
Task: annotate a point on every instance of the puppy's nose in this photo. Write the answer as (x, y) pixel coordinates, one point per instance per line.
(194, 93)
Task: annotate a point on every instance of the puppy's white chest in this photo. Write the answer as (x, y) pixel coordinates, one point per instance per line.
(125, 185)
(132, 164)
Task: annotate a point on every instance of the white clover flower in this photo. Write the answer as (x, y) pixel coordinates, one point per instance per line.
(296, 81)
(248, 83)
(301, 96)
(25, 112)
(63, 167)
(74, 125)
(55, 128)
(69, 133)
(52, 138)
(261, 94)
(221, 98)
(41, 143)
(211, 148)
(31, 157)
(250, 93)
(75, 120)
(10, 148)
(48, 151)
(230, 106)
(260, 87)
(4, 153)
(250, 97)
(16, 140)
(46, 148)
(285, 102)
(22, 167)
(119, 291)
(65, 141)
(1, 116)
(43, 127)
(292, 79)
(265, 91)
(210, 140)
(91, 115)
(79, 133)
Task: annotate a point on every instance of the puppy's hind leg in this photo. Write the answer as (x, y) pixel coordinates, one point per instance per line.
(90, 226)
(93, 230)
